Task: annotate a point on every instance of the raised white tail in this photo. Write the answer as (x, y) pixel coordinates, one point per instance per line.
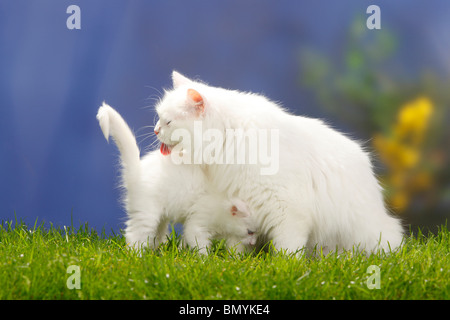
(113, 125)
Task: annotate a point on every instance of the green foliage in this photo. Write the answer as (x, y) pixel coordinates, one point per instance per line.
(34, 262)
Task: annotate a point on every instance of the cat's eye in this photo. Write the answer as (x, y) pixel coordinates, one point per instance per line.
(168, 122)
(250, 232)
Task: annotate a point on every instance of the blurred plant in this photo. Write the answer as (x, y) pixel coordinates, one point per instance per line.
(405, 118)
(402, 151)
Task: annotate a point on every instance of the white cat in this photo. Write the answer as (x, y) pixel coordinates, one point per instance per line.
(324, 192)
(158, 191)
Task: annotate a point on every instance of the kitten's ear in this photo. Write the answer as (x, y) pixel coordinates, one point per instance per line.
(239, 208)
(236, 212)
(196, 100)
(178, 80)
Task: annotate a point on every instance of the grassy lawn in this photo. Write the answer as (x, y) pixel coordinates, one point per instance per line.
(35, 264)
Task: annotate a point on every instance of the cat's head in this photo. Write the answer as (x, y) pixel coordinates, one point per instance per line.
(243, 224)
(178, 110)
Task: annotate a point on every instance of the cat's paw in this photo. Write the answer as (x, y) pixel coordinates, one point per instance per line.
(103, 119)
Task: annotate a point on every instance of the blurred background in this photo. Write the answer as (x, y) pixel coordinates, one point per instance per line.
(387, 87)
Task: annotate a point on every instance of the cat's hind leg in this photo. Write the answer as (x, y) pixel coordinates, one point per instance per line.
(291, 234)
(145, 230)
(196, 235)
(236, 245)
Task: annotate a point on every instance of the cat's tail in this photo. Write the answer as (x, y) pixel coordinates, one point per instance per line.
(113, 125)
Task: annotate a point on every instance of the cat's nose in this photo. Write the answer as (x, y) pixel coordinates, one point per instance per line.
(156, 131)
(157, 128)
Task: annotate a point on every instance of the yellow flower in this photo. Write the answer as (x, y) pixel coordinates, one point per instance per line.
(413, 119)
(396, 154)
(407, 157)
(402, 152)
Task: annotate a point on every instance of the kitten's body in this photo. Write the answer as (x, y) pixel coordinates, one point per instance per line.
(158, 192)
(324, 193)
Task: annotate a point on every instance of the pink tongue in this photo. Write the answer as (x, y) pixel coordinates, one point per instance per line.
(165, 150)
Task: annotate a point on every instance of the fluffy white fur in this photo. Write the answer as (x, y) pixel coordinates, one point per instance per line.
(158, 192)
(325, 192)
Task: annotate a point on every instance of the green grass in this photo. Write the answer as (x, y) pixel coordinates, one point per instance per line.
(34, 262)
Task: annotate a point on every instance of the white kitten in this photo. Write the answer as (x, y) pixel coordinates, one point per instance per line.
(158, 191)
(324, 192)
(218, 217)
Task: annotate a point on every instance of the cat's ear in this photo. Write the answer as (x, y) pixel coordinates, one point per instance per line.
(196, 101)
(178, 80)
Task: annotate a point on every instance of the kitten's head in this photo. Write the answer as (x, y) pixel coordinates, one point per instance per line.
(242, 225)
(179, 109)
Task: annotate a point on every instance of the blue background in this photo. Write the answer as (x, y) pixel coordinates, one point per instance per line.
(54, 161)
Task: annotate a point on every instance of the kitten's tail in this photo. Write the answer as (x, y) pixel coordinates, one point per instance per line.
(112, 124)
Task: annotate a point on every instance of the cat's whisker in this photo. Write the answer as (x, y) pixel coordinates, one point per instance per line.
(156, 98)
(144, 134)
(149, 126)
(151, 146)
(146, 137)
(155, 142)
(156, 89)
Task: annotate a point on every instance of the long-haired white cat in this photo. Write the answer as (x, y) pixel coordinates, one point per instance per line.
(157, 192)
(324, 192)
